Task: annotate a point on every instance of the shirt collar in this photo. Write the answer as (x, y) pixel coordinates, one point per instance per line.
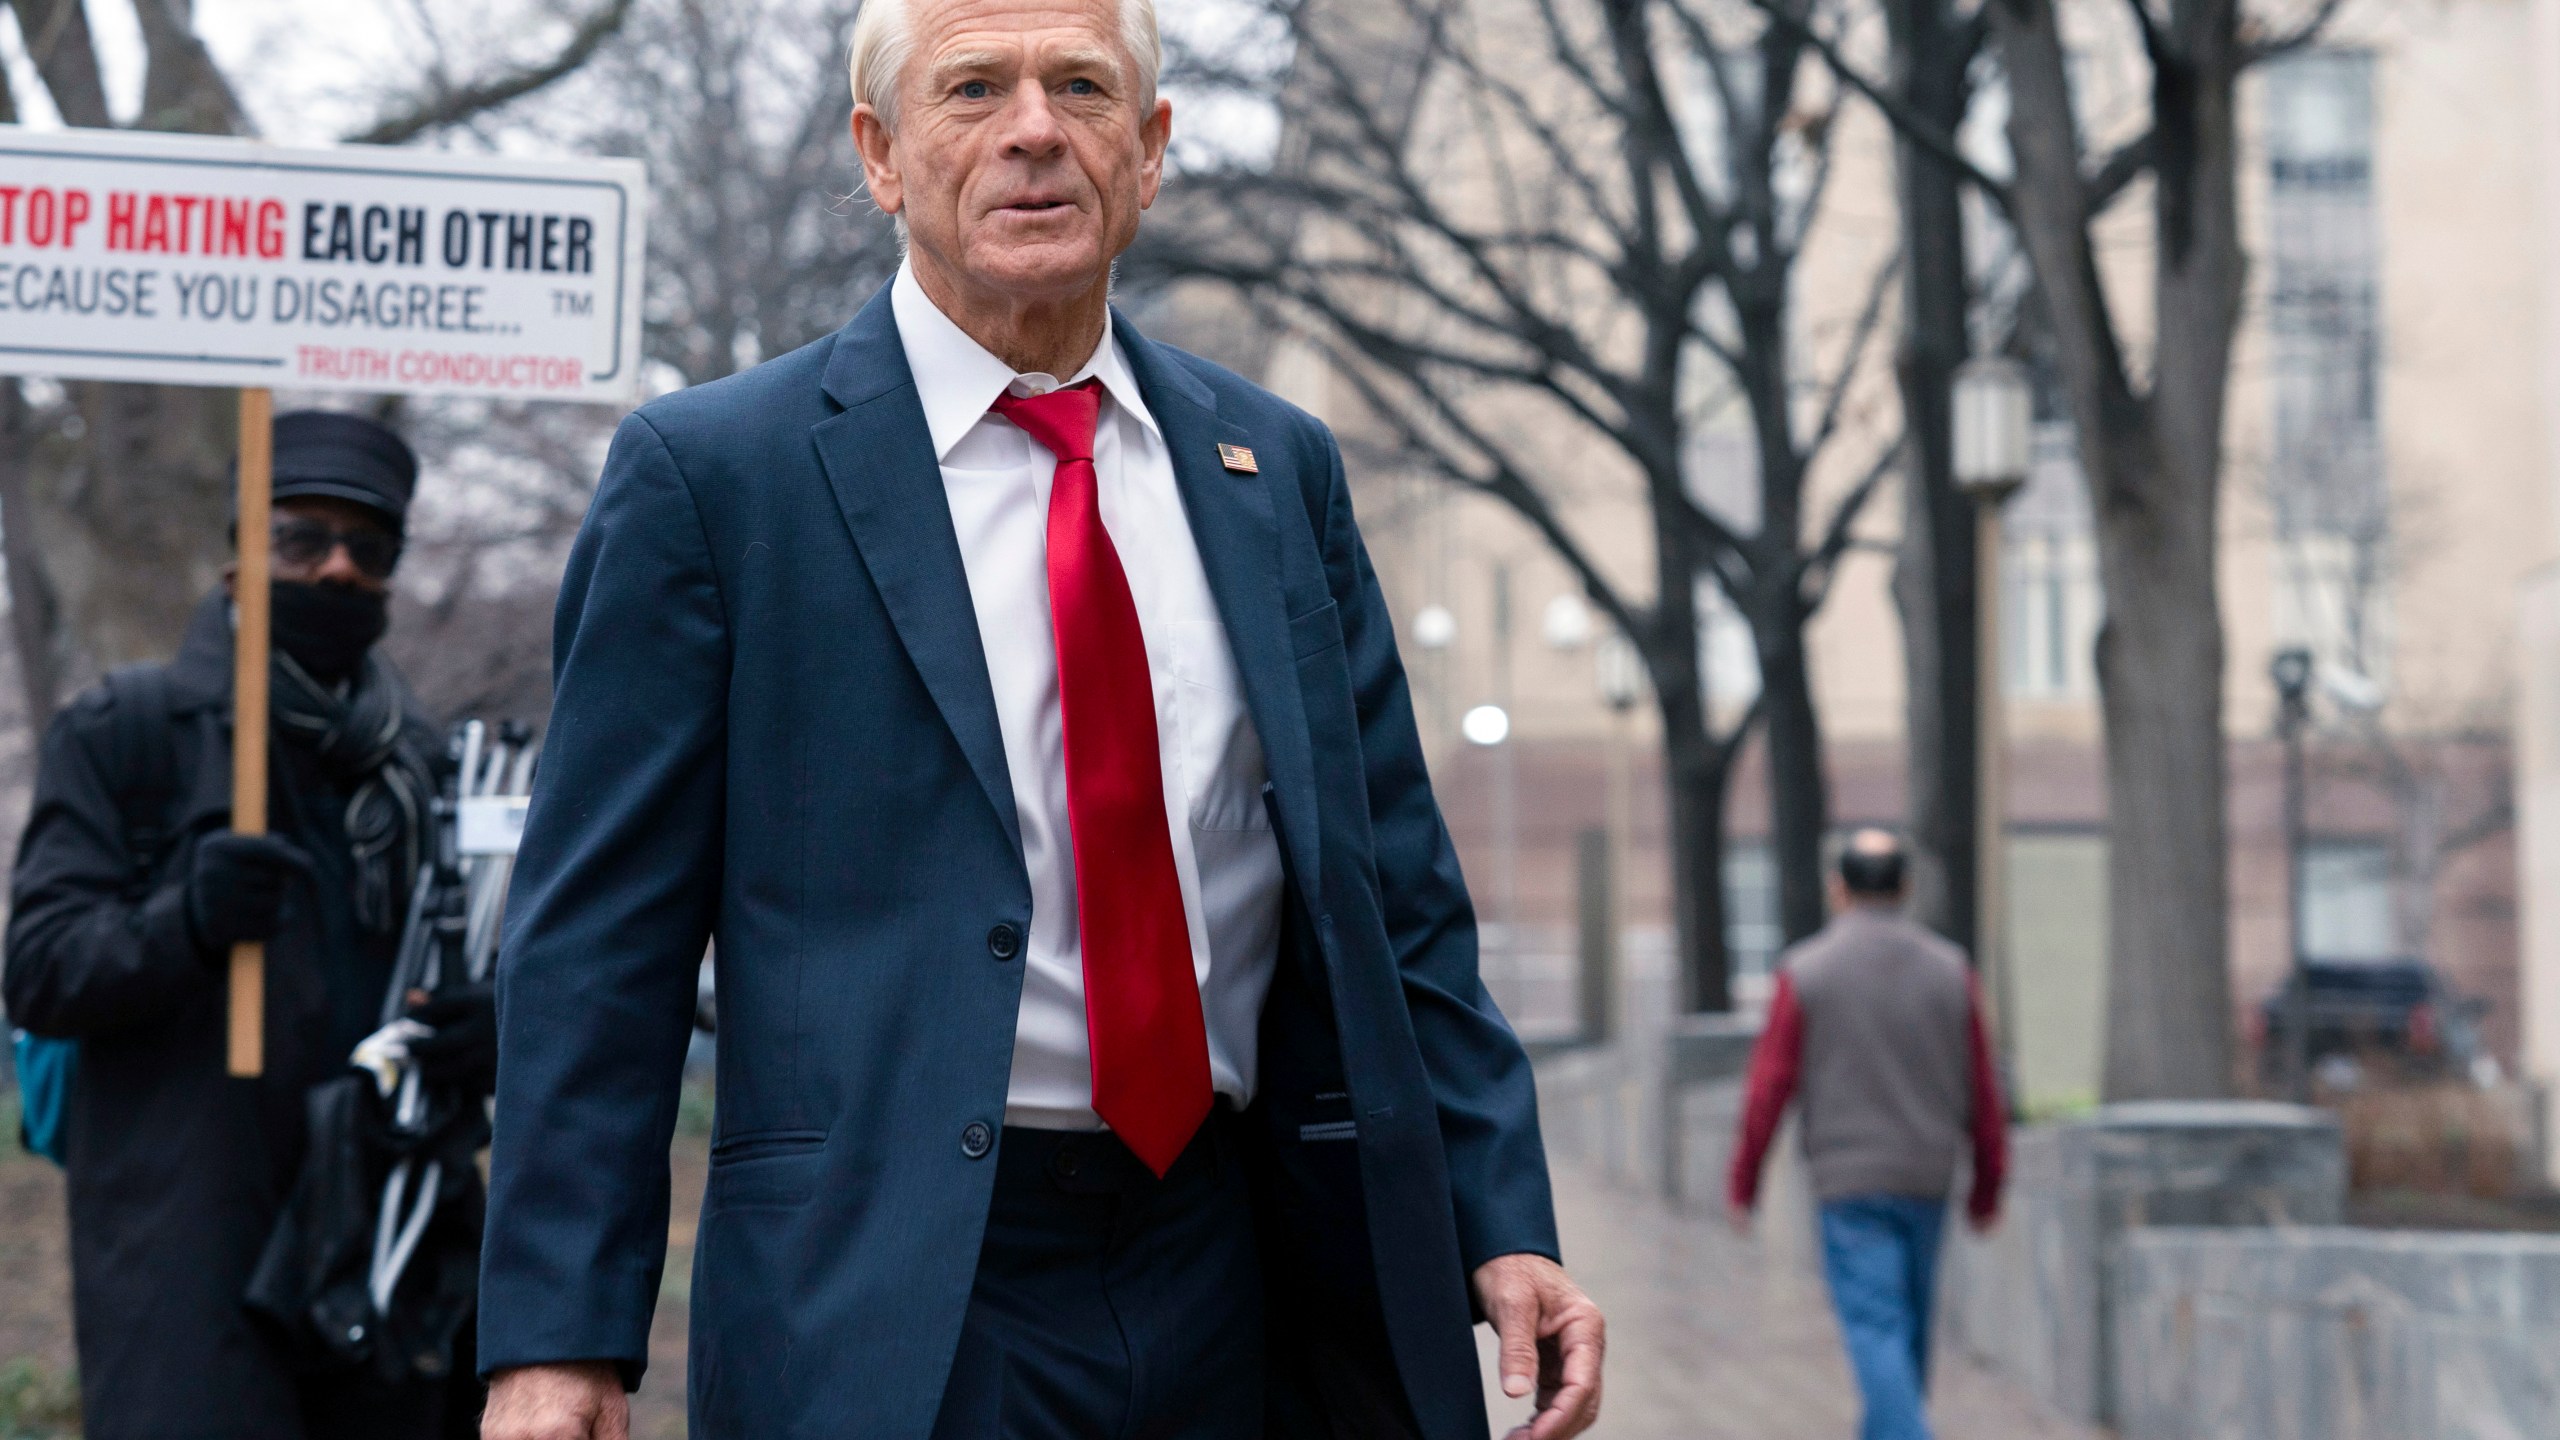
(957, 379)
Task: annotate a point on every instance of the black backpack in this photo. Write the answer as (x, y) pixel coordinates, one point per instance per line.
(143, 759)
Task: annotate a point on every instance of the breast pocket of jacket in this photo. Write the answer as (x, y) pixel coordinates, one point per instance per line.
(1222, 769)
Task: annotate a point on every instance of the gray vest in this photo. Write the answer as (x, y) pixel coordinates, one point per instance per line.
(1885, 1099)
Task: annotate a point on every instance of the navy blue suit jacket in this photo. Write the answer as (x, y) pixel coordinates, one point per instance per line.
(774, 728)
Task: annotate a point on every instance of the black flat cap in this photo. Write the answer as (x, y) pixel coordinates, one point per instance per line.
(345, 457)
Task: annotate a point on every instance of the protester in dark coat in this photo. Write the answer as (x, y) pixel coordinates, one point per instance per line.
(130, 891)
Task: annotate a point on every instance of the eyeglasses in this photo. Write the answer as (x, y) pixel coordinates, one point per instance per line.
(301, 540)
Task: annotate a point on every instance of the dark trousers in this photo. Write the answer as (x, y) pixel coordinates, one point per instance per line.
(1110, 1303)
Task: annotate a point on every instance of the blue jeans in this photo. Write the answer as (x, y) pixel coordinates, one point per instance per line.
(1880, 1253)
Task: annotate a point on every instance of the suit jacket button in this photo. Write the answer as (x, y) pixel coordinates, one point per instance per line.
(1004, 942)
(976, 1139)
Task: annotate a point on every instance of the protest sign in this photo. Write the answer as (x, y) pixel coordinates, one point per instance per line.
(183, 260)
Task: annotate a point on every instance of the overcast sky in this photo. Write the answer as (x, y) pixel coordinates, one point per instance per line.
(313, 70)
(309, 71)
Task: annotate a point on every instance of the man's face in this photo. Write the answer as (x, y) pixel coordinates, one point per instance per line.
(1024, 150)
(305, 522)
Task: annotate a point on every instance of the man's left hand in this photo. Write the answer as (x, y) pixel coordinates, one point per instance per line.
(1552, 1338)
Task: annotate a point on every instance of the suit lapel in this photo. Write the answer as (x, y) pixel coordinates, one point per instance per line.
(879, 461)
(1232, 522)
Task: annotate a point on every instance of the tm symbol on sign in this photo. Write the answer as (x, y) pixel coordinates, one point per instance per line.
(572, 302)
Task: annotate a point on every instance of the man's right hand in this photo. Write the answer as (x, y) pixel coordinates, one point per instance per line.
(557, 1402)
(236, 887)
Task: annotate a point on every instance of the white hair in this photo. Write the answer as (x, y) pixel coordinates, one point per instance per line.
(883, 43)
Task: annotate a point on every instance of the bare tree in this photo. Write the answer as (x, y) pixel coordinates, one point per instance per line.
(759, 241)
(1551, 244)
(740, 109)
(2423, 778)
(2150, 446)
(1931, 49)
(115, 499)
(2437, 760)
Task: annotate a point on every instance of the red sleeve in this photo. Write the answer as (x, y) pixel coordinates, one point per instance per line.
(1990, 1115)
(1775, 1063)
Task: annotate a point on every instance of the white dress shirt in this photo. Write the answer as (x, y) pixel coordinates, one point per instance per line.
(996, 478)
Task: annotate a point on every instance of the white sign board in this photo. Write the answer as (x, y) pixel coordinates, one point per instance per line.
(182, 260)
(490, 824)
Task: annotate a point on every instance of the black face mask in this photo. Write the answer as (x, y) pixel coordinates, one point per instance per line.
(328, 628)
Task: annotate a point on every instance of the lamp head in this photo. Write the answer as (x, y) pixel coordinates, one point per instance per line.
(2291, 671)
(1994, 404)
(1620, 671)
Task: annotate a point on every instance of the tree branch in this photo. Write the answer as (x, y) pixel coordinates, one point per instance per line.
(183, 89)
(1419, 210)
(1870, 319)
(1402, 352)
(2497, 819)
(1729, 744)
(1824, 563)
(1909, 121)
(57, 37)
(1504, 483)
(2118, 171)
(1560, 153)
(450, 108)
(2276, 47)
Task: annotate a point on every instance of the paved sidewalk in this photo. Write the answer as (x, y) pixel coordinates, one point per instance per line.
(1711, 1336)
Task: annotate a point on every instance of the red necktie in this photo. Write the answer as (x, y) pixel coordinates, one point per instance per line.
(1141, 1002)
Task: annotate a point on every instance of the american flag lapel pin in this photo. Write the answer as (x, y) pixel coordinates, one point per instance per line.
(1239, 459)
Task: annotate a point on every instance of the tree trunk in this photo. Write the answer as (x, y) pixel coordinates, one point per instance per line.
(1799, 796)
(112, 540)
(1934, 574)
(2168, 982)
(32, 620)
(115, 533)
(2153, 466)
(1696, 764)
(1694, 779)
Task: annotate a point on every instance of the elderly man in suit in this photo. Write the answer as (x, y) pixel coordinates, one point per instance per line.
(1102, 1046)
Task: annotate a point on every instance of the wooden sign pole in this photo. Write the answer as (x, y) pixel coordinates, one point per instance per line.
(249, 710)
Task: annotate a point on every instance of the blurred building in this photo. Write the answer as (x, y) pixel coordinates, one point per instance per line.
(2537, 634)
(2388, 489)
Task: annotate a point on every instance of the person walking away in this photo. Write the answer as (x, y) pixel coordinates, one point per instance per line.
(129, 893)
(1876, 1033)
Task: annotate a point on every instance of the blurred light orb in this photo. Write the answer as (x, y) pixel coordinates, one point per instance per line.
(1567, 623)
(1486, 725)
(1434, 628)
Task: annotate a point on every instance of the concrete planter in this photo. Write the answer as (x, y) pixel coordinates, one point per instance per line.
(2336, 1335)
(2031, 1298)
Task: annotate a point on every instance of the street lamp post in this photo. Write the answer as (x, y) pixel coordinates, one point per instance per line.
(2291, 671)
(1993, 443)
(1435, 629)
(1619, 669)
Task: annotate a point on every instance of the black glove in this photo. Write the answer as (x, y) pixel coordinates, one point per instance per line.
(236, 886)
(464, 1049)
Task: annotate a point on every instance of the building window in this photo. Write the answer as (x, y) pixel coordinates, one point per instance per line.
(2050, 601)
(1753, 935)
(2346, 901)
(2324, 349)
